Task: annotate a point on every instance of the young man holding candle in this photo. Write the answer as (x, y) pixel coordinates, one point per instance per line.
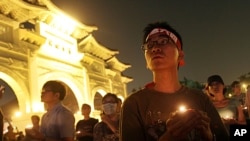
(152, 114)
(85, 126)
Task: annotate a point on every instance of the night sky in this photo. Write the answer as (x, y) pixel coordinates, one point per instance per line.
(215, 33)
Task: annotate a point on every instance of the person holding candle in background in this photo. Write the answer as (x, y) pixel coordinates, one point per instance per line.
(237, 92)
(11, 135)
(230, 110)
(85, 127)
(152, 114)
(247, 100)
(33, 133)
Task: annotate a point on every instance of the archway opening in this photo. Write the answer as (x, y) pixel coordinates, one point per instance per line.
(98, 101)
(9, 104)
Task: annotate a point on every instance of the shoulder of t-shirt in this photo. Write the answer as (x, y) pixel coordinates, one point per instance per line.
(194, 92)
(234, 101)
(139, 95)
(65, 111)
(94, 119)
(100, 125)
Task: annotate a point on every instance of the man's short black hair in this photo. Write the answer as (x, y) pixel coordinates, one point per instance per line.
(110, 95)
(163, 25)
(56, 86)
(86, 105)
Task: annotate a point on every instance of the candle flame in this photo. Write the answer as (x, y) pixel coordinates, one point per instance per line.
(182, 108)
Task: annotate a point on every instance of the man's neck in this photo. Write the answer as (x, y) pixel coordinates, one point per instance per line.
(219, 97)
(52, 105)
(167, 82)
(86, 117)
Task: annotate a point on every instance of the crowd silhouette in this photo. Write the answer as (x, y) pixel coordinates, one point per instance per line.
(90, 129)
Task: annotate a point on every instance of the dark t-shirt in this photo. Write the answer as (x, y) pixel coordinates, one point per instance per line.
(102, 132)
(144, 113)
(87, 126)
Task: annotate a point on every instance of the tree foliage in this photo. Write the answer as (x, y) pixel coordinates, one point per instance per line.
(192, 84)
(245, 78)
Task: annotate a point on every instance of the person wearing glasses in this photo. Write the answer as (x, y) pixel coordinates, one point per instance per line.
(165, 110)
(57, 124)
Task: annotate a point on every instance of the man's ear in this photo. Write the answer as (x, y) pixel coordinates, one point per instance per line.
(181, 55)
(181, 58)
(57, 94)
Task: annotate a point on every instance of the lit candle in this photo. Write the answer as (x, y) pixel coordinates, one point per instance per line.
(182, 108)
(227, 115)
(29, 126)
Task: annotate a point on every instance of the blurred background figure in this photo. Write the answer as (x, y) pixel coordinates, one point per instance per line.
(108, 128)
(230, 110)
(248, 101)
(10, 135)
(20, 137)
(237, 92)
(239, 95)
(85, 127)
(33, 133)
(119, 105)
(2, 88)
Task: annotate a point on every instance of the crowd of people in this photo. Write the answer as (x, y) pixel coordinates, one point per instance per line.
(229, 109)
(150, 114)
(58, 123)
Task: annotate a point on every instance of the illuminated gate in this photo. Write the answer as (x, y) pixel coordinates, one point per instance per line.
(39, 43)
